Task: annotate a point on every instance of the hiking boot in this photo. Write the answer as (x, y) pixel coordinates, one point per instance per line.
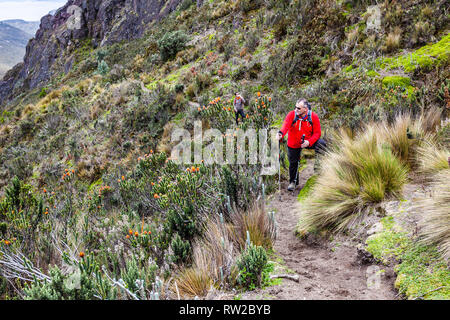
(291, 186)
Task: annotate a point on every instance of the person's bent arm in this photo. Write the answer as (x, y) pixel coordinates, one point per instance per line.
(286, 124)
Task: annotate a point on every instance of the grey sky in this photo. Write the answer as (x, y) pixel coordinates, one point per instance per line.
(29, 10)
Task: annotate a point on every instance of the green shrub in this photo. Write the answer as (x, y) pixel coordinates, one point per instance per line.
(251, 264)
(149, 112)
(248, 5)
(181, 250)
(186, 4)
(252, 41)
(137, 278)
(43, 92)
(23, 212)
(103, 68)
(171, 43)
(179, 87)
(182, 223)
(26, 127)
(101, 55)
(61, 288)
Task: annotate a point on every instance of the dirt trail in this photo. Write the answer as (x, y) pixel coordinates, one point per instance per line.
(327, 269)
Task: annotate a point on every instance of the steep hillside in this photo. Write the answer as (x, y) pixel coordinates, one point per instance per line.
(342, 65)
(86, 122)
(51, 51)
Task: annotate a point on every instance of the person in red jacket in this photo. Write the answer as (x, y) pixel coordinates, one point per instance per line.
(298, 123)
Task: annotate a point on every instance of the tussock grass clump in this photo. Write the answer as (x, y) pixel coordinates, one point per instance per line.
(259, 225)
(212, 258)
(356, 174)
(192, 282)
(366, 168)
(428, 122)
(435, 222)
(431, 158)
(396, 135)
(214, 253)
(407, 136)
(216, 256)
(393, 40)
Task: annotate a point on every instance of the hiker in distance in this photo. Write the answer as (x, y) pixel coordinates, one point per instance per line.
(239, 106)
(301, 124)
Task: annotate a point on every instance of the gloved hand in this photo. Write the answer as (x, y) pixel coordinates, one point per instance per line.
(305, 144)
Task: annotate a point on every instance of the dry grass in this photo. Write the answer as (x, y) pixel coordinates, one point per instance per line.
(356, 174)
(435, 222)
(53, 95)
(430, 157)
(259, 225)
(365, 169)
(213, 258)
(393, 40)
(215, 253)
(422, 130)
(164, 144)
(352, 36)
(397, 137)
(192, 282)
(428, 122)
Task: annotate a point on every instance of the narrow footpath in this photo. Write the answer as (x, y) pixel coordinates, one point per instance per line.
(326, 269)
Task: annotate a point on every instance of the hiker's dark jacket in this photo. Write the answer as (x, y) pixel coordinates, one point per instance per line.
(300, 127)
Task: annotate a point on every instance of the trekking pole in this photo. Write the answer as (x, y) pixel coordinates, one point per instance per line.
(279, 169)
(296, 174)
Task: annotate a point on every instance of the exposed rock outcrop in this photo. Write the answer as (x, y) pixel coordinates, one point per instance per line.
(102, 21)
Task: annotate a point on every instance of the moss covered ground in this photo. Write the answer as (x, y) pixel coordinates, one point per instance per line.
(421, 272)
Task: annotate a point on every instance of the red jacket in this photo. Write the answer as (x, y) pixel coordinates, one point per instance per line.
(295, 132)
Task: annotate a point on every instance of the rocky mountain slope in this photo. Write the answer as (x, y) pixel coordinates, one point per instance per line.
(60, 34)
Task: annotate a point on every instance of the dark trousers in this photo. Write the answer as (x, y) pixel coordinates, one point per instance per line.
(294, 157)
(240, 112)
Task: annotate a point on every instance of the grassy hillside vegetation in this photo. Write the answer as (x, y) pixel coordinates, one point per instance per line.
(361, 172)
(89, 193)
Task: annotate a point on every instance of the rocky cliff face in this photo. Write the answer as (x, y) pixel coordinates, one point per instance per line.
(103, 21)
